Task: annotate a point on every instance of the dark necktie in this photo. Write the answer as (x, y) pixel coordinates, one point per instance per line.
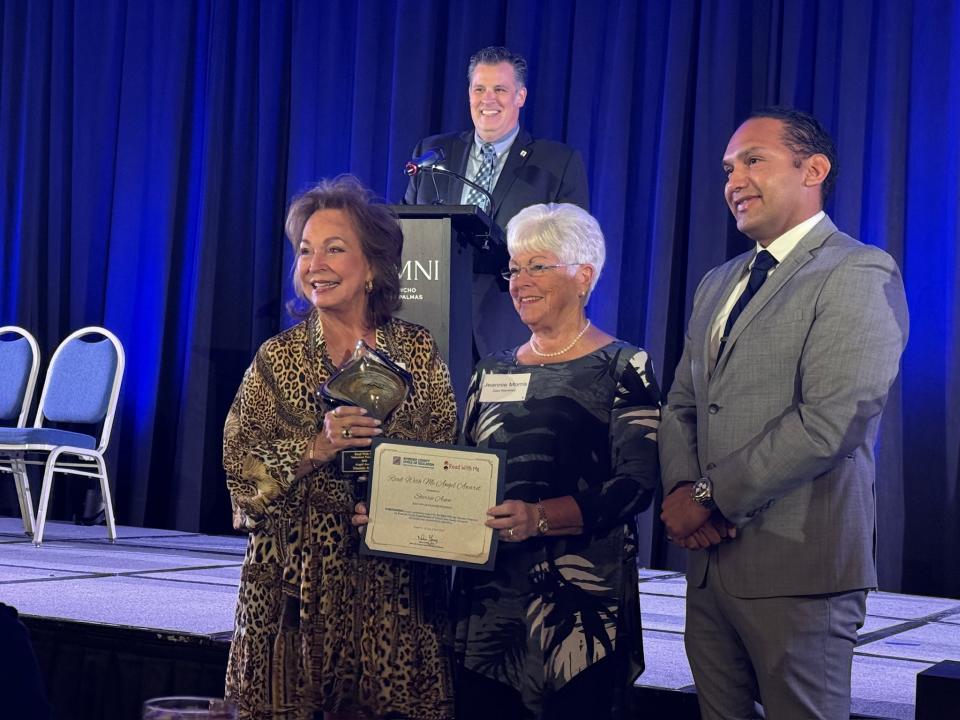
(483, 177)
(758, 273)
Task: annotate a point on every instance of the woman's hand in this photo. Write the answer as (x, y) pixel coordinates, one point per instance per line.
(360, 519)
(344, 427)
(514, 519)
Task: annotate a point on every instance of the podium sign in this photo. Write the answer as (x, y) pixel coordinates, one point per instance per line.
(436, 277)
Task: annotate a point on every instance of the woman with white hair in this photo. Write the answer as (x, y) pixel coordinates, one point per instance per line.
(554, 630)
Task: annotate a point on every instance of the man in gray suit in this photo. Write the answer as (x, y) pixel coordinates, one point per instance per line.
(767, 438)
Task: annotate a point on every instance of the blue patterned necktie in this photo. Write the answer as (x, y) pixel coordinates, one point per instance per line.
(483, 178)
(758, 274)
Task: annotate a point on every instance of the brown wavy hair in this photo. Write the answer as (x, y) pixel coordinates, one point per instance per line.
(381, 241)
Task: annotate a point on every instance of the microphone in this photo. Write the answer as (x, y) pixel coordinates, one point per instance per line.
(433, 156)
(429, 163)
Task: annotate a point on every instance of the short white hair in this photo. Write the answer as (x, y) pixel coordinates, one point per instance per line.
(566, 230)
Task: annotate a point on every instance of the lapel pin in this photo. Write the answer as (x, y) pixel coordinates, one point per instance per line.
(523, 153)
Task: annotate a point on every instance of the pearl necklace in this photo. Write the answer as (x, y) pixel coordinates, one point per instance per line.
(560, 352)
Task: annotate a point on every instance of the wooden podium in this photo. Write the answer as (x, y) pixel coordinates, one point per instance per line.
(436, 277)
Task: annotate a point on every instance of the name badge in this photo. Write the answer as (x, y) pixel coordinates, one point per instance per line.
(504, 388)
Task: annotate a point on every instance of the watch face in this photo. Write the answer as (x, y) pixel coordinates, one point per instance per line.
(542, 525)
(702, 492)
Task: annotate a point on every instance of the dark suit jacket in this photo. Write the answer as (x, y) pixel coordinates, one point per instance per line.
(536, 171)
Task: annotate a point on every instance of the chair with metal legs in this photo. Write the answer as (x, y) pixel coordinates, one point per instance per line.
(82, 387)
(19, 367)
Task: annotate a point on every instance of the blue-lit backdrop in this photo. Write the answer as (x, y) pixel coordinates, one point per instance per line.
(148, 149)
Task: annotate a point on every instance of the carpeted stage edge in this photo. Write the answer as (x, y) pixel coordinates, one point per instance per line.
(152, 614)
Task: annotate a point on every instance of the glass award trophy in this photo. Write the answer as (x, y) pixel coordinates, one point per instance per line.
(369, 380)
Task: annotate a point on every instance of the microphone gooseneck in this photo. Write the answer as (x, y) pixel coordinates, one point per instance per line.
(433, 156)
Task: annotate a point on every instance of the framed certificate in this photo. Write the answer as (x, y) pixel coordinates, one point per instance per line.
(429, 502)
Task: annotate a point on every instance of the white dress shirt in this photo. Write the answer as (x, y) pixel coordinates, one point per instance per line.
(780, 249)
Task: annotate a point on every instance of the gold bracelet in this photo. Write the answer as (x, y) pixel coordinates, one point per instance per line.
(310, 457)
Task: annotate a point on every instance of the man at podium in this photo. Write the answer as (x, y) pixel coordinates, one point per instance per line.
(513, 167)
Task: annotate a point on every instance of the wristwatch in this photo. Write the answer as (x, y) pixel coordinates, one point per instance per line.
(542, 525)
(702, 493)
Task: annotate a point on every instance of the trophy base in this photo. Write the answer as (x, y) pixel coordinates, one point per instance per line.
(355, 466)
(354, 462)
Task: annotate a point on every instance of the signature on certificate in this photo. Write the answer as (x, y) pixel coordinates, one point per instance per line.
(428, 539)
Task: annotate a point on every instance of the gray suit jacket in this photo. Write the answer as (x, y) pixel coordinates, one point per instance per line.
(785, 424)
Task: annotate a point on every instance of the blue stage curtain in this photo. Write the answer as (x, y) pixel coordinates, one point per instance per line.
(148, 150)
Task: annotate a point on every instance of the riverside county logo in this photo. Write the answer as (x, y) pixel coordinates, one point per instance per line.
(419, 462)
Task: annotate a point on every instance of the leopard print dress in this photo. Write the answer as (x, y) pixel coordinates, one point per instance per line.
(318, 626)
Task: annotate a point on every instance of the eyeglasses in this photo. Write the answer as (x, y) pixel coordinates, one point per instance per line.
(535, 270)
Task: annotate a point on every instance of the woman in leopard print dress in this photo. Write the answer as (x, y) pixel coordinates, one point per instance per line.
(322, 632)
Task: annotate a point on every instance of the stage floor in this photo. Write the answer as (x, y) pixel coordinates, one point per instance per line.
(182, 583)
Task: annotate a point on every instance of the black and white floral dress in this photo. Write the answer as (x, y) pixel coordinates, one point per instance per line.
(556, 605)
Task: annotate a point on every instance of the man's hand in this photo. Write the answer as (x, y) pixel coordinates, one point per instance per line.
(713, 532)
(681, 515)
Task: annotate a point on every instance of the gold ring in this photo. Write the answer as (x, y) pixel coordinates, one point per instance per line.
(345, 433)
(510, 532)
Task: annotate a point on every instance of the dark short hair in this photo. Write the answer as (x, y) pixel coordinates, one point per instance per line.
(494, 55)
(378, 228)
(804, 136)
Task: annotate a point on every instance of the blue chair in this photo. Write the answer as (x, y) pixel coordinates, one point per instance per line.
(19, 367)
(82, 386)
